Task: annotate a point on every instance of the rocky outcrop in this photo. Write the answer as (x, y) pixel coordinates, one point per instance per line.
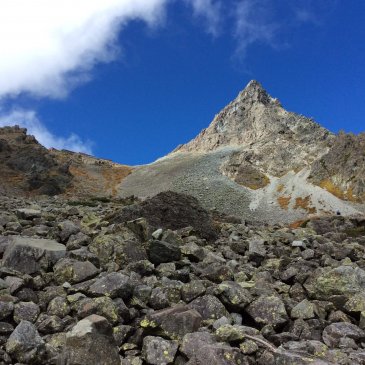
(26, 166)
(341, 171)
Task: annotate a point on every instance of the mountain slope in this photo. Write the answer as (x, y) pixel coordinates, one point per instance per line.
(255, 160)
(258, 160)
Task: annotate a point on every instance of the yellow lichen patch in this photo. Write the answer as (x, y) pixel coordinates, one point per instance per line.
(264, 182)
(280, 188)
(298, 224)
(145, 323)
(337, 191)
(284, 202)
(304, 203)
(251, 177)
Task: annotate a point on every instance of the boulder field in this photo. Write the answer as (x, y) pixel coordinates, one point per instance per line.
(164, 281)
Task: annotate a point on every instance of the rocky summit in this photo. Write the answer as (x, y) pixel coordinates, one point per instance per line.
(244, 246)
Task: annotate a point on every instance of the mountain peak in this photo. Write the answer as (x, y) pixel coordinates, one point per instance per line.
(255, 92)
(255, 118)
(254, 84)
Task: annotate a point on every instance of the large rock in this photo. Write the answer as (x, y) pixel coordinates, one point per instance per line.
(122, 249)
(67, 228)
(112, 285)
(160, 252)
(345, 281)
(229, 333)
(209, 307)
(157, 351)
(268, 310)
(90, 342)
(192, 290)
(233, 295)
(27, 311)
(174, 322)
(27, 213)
(218, 354)
(170, 210)
(25, 345)
(335, 332)
(73, 271)
(6, 309)
(30, 255)
(192, 342)
(304, 310)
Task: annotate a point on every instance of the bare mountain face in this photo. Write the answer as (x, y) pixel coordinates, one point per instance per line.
(270, 140)
(260, 161)
(342, 170)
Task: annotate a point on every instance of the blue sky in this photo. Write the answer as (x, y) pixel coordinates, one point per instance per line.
(151, 76)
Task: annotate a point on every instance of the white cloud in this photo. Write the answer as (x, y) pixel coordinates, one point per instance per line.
(211, 11)
(254, 24)
(48, 46)
(28, 119)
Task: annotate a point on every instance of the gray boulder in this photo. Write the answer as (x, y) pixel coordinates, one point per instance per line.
(343, 280)
(112, 285)
(192, 290)
(74, 271)
(218, 354)
(67, 229)
(25, 345)
(174, 322)
(160, 252)
(157, 351)
(27, 311)
(335, 332)
(233, 295)
(6, 309)
(30, 255)
(90, 342)
(26, 213)
(193, 342)
(209, 307)
(268, 310)
(122, 249)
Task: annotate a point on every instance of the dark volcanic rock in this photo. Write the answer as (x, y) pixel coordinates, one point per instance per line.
(25, 344)
(113, 285)
(209, 307)
(170, 210)
(337, 332)
(195, 302)
(160, 252)
(218, 354)
(73, 271)
(29, 255)
(174, 322)
(157, 351)
(268, 310)
(90, 342)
